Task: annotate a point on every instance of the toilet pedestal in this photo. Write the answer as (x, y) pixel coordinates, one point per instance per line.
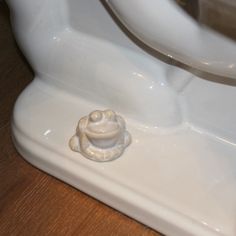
(178, 175)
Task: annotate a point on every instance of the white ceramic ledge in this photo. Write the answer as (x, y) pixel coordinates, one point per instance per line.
(182, 184)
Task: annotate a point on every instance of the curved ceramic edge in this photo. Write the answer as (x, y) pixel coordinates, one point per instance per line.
(158, 218)
(121, 198)
(44, 143)
(167, 28)
(56, 49)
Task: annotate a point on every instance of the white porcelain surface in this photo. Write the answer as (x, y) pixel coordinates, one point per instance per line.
(84, 60)
(178, 175)
(180, 182)
(164, 26)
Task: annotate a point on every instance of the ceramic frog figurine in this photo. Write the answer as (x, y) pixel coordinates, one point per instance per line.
(101, 136)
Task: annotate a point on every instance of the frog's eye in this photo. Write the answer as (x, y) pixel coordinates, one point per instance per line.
(95, 116)
(110, 115)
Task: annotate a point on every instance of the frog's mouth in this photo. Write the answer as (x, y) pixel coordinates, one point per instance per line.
(103, 131)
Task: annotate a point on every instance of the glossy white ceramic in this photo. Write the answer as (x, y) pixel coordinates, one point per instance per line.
(164, 26)
(178, 175)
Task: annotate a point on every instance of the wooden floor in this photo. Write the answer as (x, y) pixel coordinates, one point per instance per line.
(32, 202)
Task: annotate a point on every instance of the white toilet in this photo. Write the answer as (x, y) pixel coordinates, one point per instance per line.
(178, 175)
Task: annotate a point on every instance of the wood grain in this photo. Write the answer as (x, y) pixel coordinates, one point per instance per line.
(32, 202)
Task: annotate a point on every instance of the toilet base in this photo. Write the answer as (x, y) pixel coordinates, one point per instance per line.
(179, 182)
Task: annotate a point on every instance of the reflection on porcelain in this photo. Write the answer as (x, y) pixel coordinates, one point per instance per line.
(101, 136)
(178, 176)
(172, 39)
